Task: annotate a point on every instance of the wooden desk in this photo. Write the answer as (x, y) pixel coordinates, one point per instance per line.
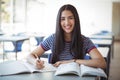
(44, 76)
(15, 39)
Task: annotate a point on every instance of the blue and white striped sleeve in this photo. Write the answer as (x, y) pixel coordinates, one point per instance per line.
(88, 45)
(47, 43)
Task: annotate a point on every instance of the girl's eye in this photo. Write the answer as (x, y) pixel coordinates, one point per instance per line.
(71, 18)
(62, 19)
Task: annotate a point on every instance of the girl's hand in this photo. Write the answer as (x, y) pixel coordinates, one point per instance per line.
(57, 63)
(39, 64)
(62, 62)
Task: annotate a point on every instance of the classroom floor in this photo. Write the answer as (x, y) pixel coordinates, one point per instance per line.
(114, 66)
(115, 63)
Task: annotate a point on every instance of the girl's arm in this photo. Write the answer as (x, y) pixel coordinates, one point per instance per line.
(34, 55)
(96, 60)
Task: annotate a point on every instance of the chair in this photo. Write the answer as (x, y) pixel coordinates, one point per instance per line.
(39, 39)
(12, 44)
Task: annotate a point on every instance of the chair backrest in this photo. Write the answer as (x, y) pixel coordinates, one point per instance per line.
(18, 48)
(49, 57)
(39, 39)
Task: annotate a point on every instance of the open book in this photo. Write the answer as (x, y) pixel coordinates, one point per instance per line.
(80, 70)
(18, 67)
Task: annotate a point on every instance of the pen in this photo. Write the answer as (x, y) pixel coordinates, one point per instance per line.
(39, 62)
(37, 58)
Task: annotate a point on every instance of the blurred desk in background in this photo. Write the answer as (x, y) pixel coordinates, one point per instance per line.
(15, 39)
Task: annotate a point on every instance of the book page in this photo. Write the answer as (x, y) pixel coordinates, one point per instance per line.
(48, 67)
(12, 67)
(87, 71)
(68, 68)
(32, 68)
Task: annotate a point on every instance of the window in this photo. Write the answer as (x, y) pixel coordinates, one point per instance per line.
(6, 15)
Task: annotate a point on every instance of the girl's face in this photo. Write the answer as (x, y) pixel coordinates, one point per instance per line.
(67, 21)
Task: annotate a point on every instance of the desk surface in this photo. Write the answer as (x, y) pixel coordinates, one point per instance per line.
(101, 36)
(44, 76)
(102, 41)
(104, 51)
(13, 38)
(16, 39)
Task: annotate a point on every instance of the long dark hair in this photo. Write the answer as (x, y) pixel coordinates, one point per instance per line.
(76, 46)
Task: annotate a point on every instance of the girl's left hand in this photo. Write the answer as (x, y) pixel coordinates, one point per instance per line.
(57, 63)
(62, 62)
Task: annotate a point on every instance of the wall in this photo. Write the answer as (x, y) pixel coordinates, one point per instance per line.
(95, 15)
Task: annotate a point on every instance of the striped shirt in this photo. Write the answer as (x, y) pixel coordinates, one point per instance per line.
(48, 44)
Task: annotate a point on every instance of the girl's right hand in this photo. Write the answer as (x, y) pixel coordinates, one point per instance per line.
(39, 64)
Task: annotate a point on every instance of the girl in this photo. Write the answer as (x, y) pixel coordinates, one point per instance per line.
(68, 44)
